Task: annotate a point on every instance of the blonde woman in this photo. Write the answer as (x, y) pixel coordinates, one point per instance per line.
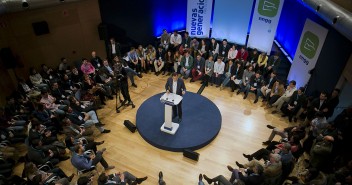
(177, 61)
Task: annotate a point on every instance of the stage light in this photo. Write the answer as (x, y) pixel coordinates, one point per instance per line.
(25, 4)
(336, 18)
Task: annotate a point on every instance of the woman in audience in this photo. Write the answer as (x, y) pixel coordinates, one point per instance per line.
(92, 88)
(142, 57)
(203, 48)
(86, 67)
(236, 76)
(169, 62)
(151, 54)
(36, 79)
(262, 62)
(177, 61)
(276, 92)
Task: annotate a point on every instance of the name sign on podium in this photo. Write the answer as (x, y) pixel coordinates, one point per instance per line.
(170, 99)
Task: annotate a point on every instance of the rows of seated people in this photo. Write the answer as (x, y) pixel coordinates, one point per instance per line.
(64, 103)
(53, 102)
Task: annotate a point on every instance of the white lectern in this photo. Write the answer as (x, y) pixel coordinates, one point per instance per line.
(170, 99)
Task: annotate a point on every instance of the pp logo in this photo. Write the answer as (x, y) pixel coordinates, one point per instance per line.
(309, 44)
(268, 8)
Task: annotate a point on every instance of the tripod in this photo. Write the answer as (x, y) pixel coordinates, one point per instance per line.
(118, 97)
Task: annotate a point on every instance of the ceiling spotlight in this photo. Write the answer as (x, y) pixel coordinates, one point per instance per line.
(61, 1)
(318, 8)
(25, 4)
(335, 19)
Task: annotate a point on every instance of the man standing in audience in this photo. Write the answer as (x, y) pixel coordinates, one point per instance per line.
(177, 86)
(165, 40)
(113, 49)
(285, 97)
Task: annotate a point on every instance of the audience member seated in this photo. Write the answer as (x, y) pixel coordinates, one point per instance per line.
(236, 76)
(82, 161)
(39, 154)
(141, 53)
(49, 103)
(63, 67)
(120, 178)
(224, 50)
(31, 170)
(247, 74)
(24, 88)
(92, 88)
(87, 68)
(275, 93)
(198, 68)
(252, 57)
(159, 61)
(255, 84)
(169, 63)
(132, 60)
(219, 67)
(229, 71)
(175, 41)
(214, 49)
(332, 102)
(96, 61)
(203, 49)
(268, 85)
(186, 65)
(317, 105)
(297, 101)
(87, 119)
(177, 62)
(209, 70)
(242, 54)
(272, 64)
(285, 97)
(250, 176)
(285, 133)
(36, 79)
(75, 131)
(151, 56)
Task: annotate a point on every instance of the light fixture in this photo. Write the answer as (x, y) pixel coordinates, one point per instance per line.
(336, 18)
(61, 1)
(25, 4)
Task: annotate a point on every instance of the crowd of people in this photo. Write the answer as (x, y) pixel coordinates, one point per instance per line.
(64, 101)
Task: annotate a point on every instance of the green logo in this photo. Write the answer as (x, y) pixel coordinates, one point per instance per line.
(268, 8)
(309, 44)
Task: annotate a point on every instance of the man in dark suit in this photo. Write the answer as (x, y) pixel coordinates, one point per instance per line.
(177, 86)
(113, 49)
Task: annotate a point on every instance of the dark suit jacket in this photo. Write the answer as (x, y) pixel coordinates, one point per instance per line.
(301, 100)
(180, 86)
(117, 49)
(224, 49)
(271, 83)
(239, 74)
(251, 179)
(201, 65)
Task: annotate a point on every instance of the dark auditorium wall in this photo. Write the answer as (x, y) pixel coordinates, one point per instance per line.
(135, 22)
(331, 63)
(73, 34)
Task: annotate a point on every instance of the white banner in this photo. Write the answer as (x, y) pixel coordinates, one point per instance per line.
(198, 17)
(231, 19)
(264, 23)
(307, 52)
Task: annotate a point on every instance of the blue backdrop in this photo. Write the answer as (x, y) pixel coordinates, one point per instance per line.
(169, 15)
(293, 16)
